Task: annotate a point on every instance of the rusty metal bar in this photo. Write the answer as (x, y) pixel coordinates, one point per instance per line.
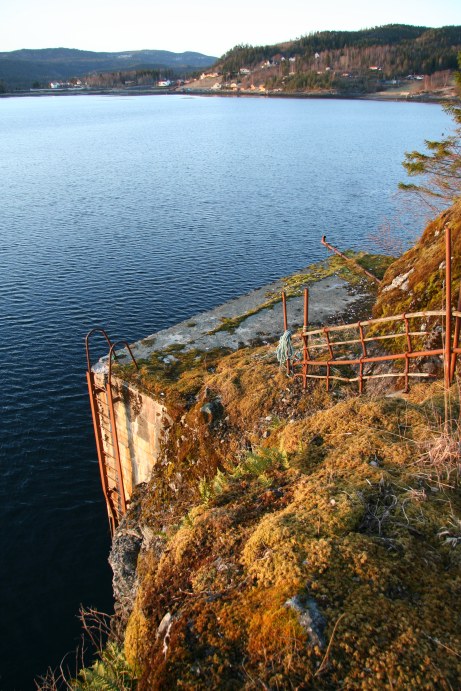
(349, 260)
(306, 308)
(330, 350)
(364, 354)
(285, 324)
(383, 320)
(284, 306)
(97, 329)
(96, 415)
(370, 339)
(455, 336)
(305, 338)
(113, 421)
(362, 340)
(112, 354)
(447, 358)
(397, 375)
(327, 337)
(409, 350)
(406, 371)
(100, 451)
(407, 332)
(379, 358)
(118, 462)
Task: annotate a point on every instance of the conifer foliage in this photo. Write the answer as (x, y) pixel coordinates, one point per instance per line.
(439, 165)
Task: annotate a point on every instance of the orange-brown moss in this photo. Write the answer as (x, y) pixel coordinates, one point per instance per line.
(346, 523)
(305, 544)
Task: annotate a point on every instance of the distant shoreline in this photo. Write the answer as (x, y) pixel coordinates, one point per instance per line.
(382, 96)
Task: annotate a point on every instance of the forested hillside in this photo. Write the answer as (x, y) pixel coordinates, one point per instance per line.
(348, 60)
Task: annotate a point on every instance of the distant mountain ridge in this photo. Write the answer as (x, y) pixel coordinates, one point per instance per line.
(331, 62)
(21, 68)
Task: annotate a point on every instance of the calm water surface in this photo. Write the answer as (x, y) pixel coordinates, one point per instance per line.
(134, 213)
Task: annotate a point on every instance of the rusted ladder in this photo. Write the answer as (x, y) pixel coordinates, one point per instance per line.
(104, 418)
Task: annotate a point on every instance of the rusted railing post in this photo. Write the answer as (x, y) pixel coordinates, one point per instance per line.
(364, 354)
(455, 338)
(285, 324)
(306, 308)
(409, 350)
(448, 348)
(331, 354)
(284, 306)
(305, 337)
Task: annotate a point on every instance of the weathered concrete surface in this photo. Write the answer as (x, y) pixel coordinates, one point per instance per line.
(329, 297)
(141, 422)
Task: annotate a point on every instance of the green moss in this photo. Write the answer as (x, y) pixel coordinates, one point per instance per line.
(377, 264)
(174, 373)
(295, 284)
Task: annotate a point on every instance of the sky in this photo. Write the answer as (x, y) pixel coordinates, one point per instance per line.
(205, 26)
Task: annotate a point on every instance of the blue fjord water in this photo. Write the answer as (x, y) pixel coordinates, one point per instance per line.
(134, 213)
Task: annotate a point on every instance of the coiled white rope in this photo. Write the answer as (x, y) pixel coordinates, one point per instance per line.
(284, 350)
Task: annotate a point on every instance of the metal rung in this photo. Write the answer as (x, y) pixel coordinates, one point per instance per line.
(103, 416)
(106, 433)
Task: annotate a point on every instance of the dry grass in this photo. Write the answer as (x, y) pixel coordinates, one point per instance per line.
(440, 461)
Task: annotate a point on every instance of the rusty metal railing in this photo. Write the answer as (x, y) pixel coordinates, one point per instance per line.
(408, 343)
(349, 260)
(324, 340)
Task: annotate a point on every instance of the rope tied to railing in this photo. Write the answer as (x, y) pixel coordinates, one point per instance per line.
(284, 350)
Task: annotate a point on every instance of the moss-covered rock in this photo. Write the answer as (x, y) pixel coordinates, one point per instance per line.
(306, 540)
(334, 511)
(416, 280)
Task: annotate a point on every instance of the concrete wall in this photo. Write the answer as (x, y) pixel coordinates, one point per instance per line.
(141, 425)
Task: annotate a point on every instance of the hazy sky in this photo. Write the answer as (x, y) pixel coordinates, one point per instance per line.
(206, 26)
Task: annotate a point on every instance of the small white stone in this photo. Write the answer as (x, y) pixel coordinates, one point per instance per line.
(399, 282)
(164, 624)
